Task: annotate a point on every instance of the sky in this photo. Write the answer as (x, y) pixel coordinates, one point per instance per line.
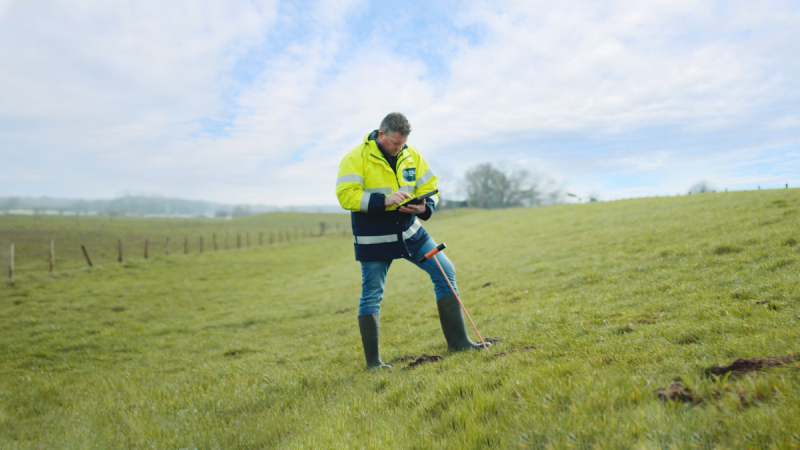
(257, 102)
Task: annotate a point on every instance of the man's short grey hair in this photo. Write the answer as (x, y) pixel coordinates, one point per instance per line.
(396, 123)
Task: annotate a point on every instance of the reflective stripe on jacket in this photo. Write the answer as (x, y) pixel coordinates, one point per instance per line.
(365, 180)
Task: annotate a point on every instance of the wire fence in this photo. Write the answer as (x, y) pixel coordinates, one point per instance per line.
(31, 250)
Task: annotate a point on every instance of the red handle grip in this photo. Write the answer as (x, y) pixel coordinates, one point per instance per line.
(438, 248)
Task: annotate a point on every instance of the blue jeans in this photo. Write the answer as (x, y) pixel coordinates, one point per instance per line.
(373, 278)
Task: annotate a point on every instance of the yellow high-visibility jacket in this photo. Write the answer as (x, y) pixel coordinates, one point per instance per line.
(365, 179)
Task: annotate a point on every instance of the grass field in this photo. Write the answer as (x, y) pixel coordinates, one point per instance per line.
(248, 350)
(31, 235)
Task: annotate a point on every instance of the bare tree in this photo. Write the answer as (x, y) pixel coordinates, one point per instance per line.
(489, 187)
(701, 187)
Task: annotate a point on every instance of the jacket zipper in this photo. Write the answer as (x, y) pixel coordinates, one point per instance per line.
(382, 158)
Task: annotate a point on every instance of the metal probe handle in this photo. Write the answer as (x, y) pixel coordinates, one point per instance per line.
(462, 305)
(438, 248)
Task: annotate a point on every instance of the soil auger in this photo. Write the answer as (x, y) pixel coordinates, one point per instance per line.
(433, 253)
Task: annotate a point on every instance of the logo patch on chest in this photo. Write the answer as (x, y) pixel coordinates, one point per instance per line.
(410, 174)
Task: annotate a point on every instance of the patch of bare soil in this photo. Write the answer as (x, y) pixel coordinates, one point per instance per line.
(513, 350)
(744, 365)
(492, 340)
(342, 311)
(677, 392)
(422, 360)
(404, 358)
(488, 283)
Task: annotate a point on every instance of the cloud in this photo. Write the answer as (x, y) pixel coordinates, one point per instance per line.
(112, 73)
(237, 101)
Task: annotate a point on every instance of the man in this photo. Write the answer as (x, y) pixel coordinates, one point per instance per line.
(374, 178)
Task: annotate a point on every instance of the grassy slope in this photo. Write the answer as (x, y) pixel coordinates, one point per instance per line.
(245, 349)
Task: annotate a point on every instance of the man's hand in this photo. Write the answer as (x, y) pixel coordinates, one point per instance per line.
(396, 198)
(413, 209)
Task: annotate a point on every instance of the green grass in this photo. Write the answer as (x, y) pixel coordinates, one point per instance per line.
(31, 236)
(246, 349)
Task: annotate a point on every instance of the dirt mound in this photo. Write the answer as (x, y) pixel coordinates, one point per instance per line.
(744, 365)
(342, 311)
(492, 340)
(487, 284)
(676, 392)
(513, 350)
(404, 358)
(422, 360)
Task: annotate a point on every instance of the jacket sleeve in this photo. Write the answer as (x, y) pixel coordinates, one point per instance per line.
(428, 211)
(426, 182)
(350, 187)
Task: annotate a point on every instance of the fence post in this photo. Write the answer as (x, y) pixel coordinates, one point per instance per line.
(322, 229)
(248, 239)
(201, 244)
(288, 235)
(119, 250)
(86, 255)
(185, 245)
(146, 247)
(214, 238)
(52, 254)
(260, 238)
(11, 261)
(271, 237)
(295, 233)
(226, 240)
(166, 246)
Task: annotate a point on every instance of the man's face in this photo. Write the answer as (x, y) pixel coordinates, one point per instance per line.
(392, 143)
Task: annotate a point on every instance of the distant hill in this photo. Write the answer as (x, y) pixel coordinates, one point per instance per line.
(146, 206)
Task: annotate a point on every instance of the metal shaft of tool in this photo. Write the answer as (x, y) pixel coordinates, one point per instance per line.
(462, 304)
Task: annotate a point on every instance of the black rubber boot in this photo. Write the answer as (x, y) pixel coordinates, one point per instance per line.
(455, 331)
(370, 326)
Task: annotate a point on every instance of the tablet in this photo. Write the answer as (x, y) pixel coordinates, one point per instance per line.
(418, 200)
